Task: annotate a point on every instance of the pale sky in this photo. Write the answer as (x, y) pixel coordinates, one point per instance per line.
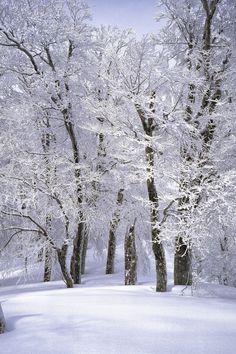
(138, 14)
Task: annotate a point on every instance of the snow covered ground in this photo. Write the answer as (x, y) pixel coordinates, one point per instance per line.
(104, 317)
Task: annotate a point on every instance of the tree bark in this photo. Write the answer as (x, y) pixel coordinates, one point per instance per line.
(46, 139)
(47, 264)
(61, 254)
(157, 245)
(130, 257)
(112, 234)
(2, 321)
(182, 263)
(183, 253)
(84, 251)
(76, 259)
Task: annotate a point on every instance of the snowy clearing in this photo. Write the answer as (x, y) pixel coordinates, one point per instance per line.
(47, 318)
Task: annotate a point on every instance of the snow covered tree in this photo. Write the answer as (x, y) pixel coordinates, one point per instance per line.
(134, 111)
(45, 46)
(196, 37)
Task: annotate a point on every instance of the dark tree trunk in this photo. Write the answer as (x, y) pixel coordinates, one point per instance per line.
(61, 254)
(47, 264)
(46, 139)
(160, 261)
(2, 321)
(111, 250)
(223, 279)
(112, 234)
(147, 120)
(26, 265)
(182, 263)
(76, 259)
(84, 251)
(157, 246)
(183, 253)
(130, 257)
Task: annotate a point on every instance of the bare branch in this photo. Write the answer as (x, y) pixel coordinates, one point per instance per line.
(165, 212)
(20, 47)
(19, 230)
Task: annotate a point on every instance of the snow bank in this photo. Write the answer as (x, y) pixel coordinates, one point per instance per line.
(110, 319)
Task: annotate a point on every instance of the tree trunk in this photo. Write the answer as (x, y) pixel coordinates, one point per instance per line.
(2, 321)
(223, 278)
(130, 257)
(111, 250)
(160, 261)
(47, 264)
(112, 234)
(46, 140)
(84, 251)
(157, 246)
(147, 121)
(76, 259)
(61, 254)
(182, 263)
(183, 253)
